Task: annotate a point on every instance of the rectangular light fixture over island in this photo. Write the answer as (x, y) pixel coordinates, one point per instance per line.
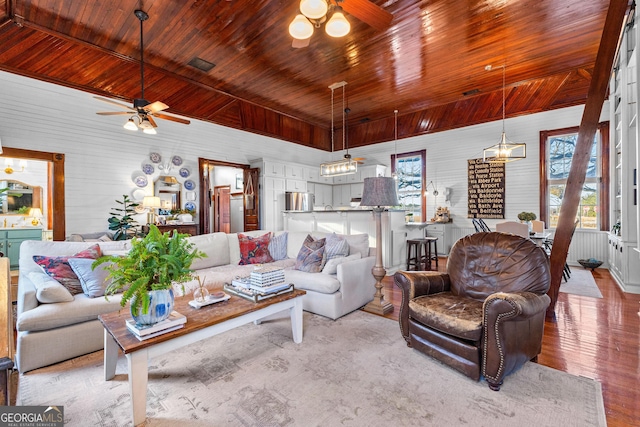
(379, 192)
(345, 166)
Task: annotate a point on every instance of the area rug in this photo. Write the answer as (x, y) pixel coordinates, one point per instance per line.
(356, 371)
(581, 283)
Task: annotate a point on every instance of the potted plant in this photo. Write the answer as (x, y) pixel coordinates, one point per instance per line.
(121, 220)
(526, 216)
(146, 274)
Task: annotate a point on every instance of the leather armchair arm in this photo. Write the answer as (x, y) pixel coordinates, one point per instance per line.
(513, 327)
(414, 284)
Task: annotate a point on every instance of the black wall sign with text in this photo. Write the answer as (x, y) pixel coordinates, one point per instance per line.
(485, 190)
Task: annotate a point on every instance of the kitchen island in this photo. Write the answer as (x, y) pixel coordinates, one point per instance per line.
(395, 231)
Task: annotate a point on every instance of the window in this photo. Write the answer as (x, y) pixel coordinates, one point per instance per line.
(556, 153)
(410, 171)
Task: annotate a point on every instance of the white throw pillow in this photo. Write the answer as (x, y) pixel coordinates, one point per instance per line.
(331, 267)
(358, 243)
(93, 282)
(49, 290)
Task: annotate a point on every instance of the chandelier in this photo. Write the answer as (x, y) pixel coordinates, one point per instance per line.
(504, 151)
(313, 13)
(346, 165)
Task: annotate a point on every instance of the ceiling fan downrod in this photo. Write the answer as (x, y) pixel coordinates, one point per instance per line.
(142, 16)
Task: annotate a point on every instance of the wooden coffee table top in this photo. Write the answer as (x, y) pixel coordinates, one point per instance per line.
(197, 318)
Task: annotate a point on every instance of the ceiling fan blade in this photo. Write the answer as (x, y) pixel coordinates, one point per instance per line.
(153, 122)
(116, 113)
(297, 43)
(155, 107)
(171, 118)
(368, 12)
(108, 101)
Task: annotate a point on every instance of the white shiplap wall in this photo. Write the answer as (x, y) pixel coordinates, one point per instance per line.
(102, 157)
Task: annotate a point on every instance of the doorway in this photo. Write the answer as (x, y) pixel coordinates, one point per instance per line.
(222, 208)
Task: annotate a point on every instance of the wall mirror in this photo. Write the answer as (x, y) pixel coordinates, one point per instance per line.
(168, 189)
(18, 198)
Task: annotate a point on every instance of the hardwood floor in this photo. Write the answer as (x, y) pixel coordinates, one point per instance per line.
(590, 337)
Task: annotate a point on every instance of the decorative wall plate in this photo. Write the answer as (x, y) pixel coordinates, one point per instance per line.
(138, 195)
(189, 185)
(190, 206)
(176, 160)
(148, 168)
(184, 172)
(155, 157)
(140, 181)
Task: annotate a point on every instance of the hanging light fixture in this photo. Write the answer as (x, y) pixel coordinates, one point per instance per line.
(313, 13)
(345, 166)
(8, 166)
(394, 175)
(504, 151)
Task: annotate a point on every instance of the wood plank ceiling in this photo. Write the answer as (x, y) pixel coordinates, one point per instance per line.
(429, 63)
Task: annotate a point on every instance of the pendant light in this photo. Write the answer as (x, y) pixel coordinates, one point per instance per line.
(504, 151)
(345, 166)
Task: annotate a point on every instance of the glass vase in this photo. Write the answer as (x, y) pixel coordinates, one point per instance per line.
(201, 294)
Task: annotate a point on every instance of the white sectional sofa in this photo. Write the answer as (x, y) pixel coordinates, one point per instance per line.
(52, 332)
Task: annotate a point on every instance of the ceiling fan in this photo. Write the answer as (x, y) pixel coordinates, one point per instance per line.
(314, 13)
(143, 112)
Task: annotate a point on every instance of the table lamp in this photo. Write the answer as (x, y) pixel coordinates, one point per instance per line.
(379, 192)
(36, 216)
(152, 203)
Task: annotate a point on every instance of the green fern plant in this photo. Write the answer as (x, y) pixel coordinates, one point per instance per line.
(154, 262)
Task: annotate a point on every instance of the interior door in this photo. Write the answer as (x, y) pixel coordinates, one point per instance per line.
(251, 199)
(222, 208)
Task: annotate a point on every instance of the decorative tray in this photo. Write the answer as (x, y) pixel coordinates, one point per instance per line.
(253, 295)
(196, 304)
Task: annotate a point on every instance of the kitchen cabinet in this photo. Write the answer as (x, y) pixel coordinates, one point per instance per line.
(443, 231)
(273, 203)
(271, 168)
(372, 171)
(322, 194)
(356, 190)
(341, 195)
(293, 171)
(298, 185)
(312, 174)
(10, 240)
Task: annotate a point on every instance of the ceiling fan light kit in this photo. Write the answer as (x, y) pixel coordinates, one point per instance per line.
(504, 151)
(143, 111)
(313, 13)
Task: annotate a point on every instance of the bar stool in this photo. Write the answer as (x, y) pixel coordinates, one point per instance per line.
(417, 254)
(432, 251)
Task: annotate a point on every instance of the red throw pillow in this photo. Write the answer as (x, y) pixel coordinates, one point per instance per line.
(58, 268)
(254, 250)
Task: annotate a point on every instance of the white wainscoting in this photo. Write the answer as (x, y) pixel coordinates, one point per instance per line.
(585, 244)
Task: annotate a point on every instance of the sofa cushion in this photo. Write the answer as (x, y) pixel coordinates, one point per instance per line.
(254, 250)
(311, 255)
(358, 243)
(337, 246)
(278, 246)
(331, 266)
(49, 290)
(322, 283)
(59, 269)
(449, 314)
(93, 282)
(216, 248)
(81, 309)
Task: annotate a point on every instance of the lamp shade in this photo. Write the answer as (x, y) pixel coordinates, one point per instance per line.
(379, 191)
(314, 9)
(35, 213)
(151, 202)
(300, 28)
(338, 26)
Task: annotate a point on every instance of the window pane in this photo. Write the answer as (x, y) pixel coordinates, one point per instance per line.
(409, 172)
(561, 149)
(587, 210)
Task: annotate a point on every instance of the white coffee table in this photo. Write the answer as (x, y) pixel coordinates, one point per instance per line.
(201, 324)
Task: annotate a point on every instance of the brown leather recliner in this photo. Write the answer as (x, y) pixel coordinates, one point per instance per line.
(485, 315)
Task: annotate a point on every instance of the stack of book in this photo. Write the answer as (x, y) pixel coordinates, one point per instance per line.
(144, 332)
(264, 280)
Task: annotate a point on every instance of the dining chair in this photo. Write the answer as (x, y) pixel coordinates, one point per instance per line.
(480, 225)
(517, 228)
(537, 226)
